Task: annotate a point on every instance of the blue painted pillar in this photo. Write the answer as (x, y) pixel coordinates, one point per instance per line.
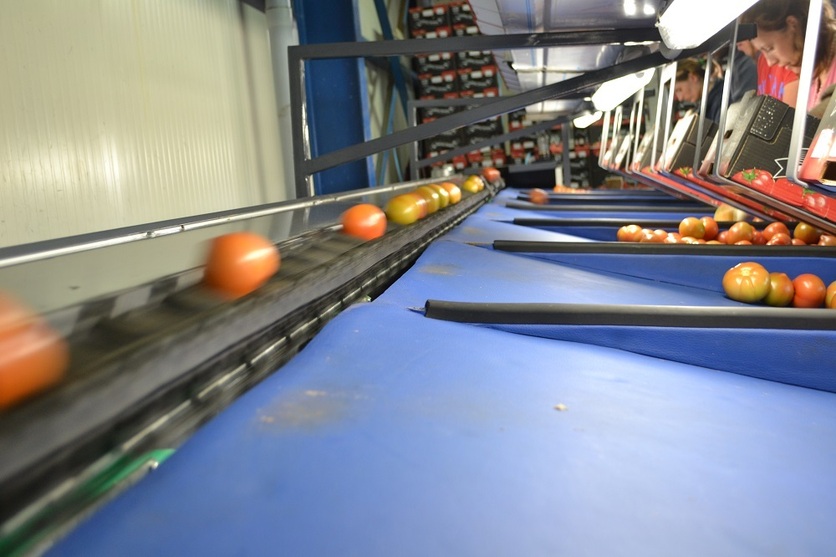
(338, 111)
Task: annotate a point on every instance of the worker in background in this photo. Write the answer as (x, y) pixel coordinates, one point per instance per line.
(781, 26)
(690, 74)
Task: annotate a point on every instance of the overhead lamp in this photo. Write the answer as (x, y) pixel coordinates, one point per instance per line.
(616, 91)
(689, 23)
(587, 119)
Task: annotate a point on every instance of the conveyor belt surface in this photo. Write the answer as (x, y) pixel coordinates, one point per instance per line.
(392, 433)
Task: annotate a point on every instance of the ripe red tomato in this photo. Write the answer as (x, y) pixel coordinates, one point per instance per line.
(810, 291)
(711, 228)
(693, 227)
(33, 357)
(779, 239)
(653, 236)
(364, 221)
(673, 238)
(775, 228)
(240, 262)
(740, 231)
(781, 290)
(491, 174)
(538, 196)
(830, 296)
(827, 240)
(405, 209)
(723, 237)
(807, 233)
(758, 238)
(746, 282)
(629, 233)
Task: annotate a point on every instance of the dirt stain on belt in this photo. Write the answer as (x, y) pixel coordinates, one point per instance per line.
(310, 409)
(439, 269)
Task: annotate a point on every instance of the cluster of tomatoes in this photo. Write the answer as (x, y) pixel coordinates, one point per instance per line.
(751, 282)
(241, 262)
(407, 208)
(705, 230)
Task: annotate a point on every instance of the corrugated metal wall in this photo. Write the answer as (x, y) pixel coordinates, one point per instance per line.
(119, 112)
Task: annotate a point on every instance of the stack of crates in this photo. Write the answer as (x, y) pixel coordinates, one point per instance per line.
(447, 75)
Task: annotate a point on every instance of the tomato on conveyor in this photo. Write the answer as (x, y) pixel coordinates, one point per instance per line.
(240, 262)
(33, 356)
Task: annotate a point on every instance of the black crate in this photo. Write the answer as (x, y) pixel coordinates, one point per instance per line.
(461, 14)
(435, 63)
(760, 137)
(422, 21)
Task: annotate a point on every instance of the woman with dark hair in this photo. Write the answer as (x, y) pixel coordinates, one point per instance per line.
(781, 26)
(690, 74)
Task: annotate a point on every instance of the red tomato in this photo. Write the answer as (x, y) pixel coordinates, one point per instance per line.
(491, 174)
(454, 191)
(810, 291)
(405, 209)
(629, 233)
(673, 238)
(722, 237)
(240, 262)
(781, 290)
(809, 234)
(758, 238)
(33, 357)
(798, 242)
(779, 239)
(827, 240)
(653, 236)
(746, 282)
(740, 231)
(364, 221)
(711, 228)
(775, 228)
(830, 296)
(538, 196)
(693, 227)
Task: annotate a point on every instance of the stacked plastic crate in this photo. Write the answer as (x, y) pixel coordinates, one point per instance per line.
(445, 75)
(522, 149)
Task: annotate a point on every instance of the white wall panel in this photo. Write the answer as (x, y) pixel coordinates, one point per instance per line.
(120, 112)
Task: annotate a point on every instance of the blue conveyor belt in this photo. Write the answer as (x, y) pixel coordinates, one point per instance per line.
(395, 434)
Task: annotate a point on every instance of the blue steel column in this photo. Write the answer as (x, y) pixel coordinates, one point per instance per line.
(337, 98)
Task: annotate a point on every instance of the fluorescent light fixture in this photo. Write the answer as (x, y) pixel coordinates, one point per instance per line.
(689, 23)
(587, 119)
(614, 92)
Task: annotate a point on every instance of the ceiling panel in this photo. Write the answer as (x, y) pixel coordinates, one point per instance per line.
(531, 68)
(529, 16)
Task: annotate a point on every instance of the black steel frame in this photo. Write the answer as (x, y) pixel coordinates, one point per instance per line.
(305, 166)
